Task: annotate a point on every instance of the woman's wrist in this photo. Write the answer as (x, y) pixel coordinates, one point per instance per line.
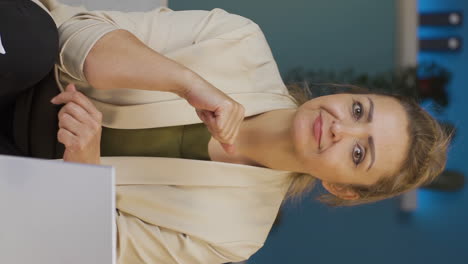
(183, 81)
(186, 82)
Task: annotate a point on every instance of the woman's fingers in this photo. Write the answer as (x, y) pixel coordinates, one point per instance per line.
(222, 115)
(80, 126)
(76, 119)
(67, 138)
(233, 131)
(83, 132)
(72, 95)
(69, 123)
(77, 112)
(234, 115)
(224, 124)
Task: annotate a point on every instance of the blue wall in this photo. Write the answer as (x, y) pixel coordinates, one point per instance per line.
(316, 33)
(360, 34)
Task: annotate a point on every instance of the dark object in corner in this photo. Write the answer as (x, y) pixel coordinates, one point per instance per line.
(451, 19)
(449, 44)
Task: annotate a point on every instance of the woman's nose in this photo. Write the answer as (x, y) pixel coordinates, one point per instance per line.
(340, 130)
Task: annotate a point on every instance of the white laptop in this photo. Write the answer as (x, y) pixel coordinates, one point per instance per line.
(52, 212)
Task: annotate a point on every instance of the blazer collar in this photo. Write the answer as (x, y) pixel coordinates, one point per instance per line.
(144, 171)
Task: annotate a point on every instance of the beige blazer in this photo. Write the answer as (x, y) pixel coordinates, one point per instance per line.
(176, 210)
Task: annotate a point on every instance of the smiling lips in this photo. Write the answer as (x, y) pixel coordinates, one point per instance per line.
(318, 129)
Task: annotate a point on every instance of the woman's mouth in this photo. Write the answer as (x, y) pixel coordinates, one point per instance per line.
(318, 128)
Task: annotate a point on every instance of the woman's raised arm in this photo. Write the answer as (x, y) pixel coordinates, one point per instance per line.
(116, 50)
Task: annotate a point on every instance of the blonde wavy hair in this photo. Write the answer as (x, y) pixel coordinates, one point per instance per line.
(425, 159)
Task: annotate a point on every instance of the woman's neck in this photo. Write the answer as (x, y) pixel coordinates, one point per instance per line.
(264, 140)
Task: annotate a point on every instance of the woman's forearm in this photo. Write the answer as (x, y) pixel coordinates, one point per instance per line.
(120, 60)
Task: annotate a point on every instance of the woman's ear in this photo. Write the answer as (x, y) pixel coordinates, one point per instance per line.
(340, 191)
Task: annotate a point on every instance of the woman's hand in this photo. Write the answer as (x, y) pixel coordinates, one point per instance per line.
(222, 115)
(79, 127)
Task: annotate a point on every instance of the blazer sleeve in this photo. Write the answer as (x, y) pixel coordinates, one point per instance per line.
(161, 29)
(141, 242)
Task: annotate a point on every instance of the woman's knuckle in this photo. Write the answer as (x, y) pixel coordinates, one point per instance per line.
(67, 117)
(72, 107)
(62, 116)
(77, 96)
(63, 138)
(95, 127)
(61, 112)
(60, 135)
(99, 116)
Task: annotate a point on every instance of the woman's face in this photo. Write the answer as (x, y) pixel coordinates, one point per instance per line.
(351, 138)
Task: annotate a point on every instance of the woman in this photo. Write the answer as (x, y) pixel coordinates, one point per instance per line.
(212, 205)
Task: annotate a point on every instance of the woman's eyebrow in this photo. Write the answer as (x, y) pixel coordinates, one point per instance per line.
(370, 115)
(372, 151)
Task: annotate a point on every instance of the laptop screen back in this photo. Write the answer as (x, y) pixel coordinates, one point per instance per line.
(53, 212)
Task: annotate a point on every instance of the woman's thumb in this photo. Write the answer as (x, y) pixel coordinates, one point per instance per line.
(70, 88)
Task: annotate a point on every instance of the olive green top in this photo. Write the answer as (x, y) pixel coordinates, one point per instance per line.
(187, 142)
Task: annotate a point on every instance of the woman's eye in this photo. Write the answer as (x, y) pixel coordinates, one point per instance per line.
(357, 110)
(357, 154)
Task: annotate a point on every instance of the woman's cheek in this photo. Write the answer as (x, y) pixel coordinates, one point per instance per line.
(331, 165)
